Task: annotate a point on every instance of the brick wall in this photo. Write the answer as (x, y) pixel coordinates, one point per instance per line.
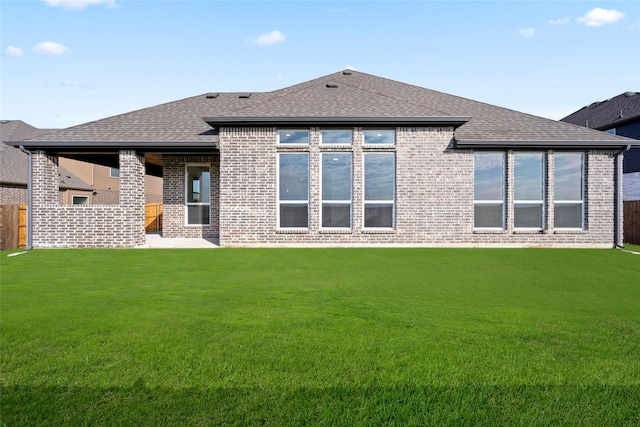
(93, 226)
(13, 194)
(434, 195)
(173, 214)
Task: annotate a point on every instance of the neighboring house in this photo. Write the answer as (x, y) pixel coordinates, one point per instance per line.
(619, 115)
(343, 160)
(13, 169)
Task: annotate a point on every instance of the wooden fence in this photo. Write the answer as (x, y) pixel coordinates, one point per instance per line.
(153, 220)
(632, 221)
(13, 233)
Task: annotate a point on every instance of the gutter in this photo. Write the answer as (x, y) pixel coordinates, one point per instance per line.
(618, 225)
(29, 199)
(455, 121)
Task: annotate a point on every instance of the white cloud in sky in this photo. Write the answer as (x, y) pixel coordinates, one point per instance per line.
(14, 51)
(50, 48)
(349, 67)
(79, 4)
(527, 32)
(266, 39)
(598, 17)
(561, 21)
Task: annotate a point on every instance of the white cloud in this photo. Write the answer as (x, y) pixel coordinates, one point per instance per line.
(14, 51)
(527, 32)
(598, 17)
(266, 39)
(349, 67)
(50, 48)
(79, 4)
(559, 21)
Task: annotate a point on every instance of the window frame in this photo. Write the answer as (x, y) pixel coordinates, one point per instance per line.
(366, 144)
(294, 144)
(186, 195)
(503, 191)
(336, 144)
(111, 174)
(366, 202)
(324, 202)
(540, 202)
(280, 202)
(570, 201)
(74, 197)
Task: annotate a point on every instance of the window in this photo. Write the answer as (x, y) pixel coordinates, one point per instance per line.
(335, 137)
(528, 203)
(198, 196)
(568, 190)
(293, 190)
(293, 136)
(379, 190)
(611, 131)
(488, 190)
(114, 172)
(336, 190)
(379, 137)
(80, 200)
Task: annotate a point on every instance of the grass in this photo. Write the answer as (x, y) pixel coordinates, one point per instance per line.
(320, 337)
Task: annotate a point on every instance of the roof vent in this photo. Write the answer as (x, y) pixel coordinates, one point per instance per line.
(244, 95)
(212, 95)
(332, 85)
(346, 73)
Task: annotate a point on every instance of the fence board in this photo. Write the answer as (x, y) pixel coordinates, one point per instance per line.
(632, 221)
(9, 229)
(153, 221)
(22, 226)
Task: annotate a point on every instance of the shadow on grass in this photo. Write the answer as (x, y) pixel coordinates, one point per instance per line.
(402, 405)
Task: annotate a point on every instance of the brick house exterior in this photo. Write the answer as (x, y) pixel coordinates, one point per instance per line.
(231, 173)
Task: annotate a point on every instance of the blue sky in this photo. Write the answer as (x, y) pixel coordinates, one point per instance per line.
(69, 62)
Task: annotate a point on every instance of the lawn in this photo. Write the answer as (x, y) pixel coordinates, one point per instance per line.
(350, 337)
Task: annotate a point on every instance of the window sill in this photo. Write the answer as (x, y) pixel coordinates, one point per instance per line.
(378, 146)
(293, 146)
(378, 231)
(335, 146)
(489, 231)
(335, 231)
(569, 231)
(292, 231)
(197, 225)
(528, 231)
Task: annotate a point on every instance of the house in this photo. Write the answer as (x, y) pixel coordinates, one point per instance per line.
(13, 169)
(619, 115)
(348, 159)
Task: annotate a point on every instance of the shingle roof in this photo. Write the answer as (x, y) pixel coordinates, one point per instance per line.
(352, 94)
(607, 114)
(13, 162)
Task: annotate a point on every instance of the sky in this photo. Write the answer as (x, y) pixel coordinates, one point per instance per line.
(68, 62)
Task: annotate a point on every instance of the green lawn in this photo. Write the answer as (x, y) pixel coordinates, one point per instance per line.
(348, 337)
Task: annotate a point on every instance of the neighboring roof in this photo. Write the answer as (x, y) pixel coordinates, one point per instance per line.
(13, 162)
(608, 114)
(343, 97)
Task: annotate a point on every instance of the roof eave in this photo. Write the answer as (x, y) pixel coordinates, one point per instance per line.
(544, 144)
(454, 121)
(164, 146)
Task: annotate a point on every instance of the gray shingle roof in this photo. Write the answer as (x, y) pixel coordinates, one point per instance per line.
(607, 114)
(13, 162)
(180, 123)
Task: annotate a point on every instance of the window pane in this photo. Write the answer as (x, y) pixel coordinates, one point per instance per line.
(567, 176)
(198, 182)
(568, 215)
(336, 137)
(198, 214)
(294, 176)
(294, 215)
(528, 215)
(336, 215)
(488, 215)
(290, 136)
(379, 176)
(336, 176)
(378, 215)
(488, 176)
(528, 171)
(386, 136)
(80, 200)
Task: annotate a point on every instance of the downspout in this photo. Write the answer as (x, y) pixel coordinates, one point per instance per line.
(618, 196)
(29, 199)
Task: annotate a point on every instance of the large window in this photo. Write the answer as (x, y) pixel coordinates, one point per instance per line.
(488, 190)
(379, 137)
(336, 190)
(293, 136)
(528, 203)
(568, 187)
(336, 137)
(198, 197)
(379, 190)
(293, 190)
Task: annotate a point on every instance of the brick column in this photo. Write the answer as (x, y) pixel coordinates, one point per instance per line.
(132, 197)
(45, 179)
